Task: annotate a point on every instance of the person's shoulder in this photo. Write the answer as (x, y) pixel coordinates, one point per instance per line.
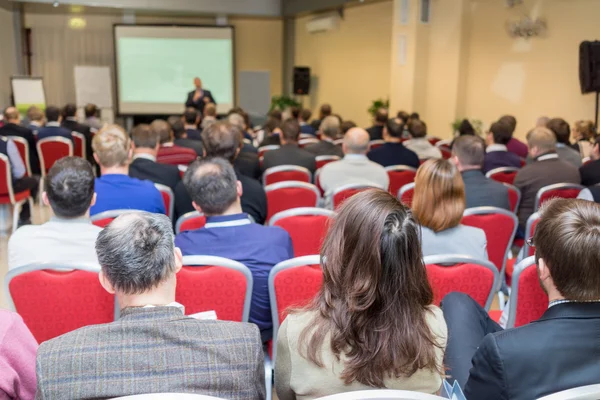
(227, 330)
(470, 232)
(276, 233)
(437, 323)
(67, 343)
(9, 319)
(23, 233)
(296, 321)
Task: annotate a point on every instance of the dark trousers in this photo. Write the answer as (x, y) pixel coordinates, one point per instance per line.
(26, 183)
(468, 323)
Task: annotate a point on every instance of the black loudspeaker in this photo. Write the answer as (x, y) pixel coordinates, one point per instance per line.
(589, 67)
(301, 80)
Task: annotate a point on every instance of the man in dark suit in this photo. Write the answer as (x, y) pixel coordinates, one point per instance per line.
(181, 138)
(199, 98)
(191, 119)
(70, 122)
(53, 125)
(330, 131)
(12, 127)
(303, 119)
(381, 118)
(324, 112)
(289, 153)
(556, 352)
(393, 151)
(468, 155)
(590, 173)
(166, 352)
(146, 143)
(497, 154)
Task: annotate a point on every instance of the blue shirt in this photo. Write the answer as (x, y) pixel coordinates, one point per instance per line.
(257, 247)
(394, 154)
(121, 192)
(54, 130)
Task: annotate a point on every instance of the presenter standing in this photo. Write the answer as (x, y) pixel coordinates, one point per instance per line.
(199, 98)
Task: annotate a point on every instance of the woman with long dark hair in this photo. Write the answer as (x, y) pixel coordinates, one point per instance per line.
(372, 325)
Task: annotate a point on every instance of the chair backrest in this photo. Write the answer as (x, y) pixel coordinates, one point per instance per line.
(79, 140)
(528, 301)
(52, 149)
(285, 173)
(382, 394)
(324, 160)
(586, 160)
(433, 140)
(293, 284)
(406, 193)
(208, 283)
(190, 222)
(262, 150)
(54, 302)
(173, 396)
(302, 143)
(458, 273)
(180, 156)
(342, 193)
(503, 175)
(374, 144)
(168, 198)
(530, 226)
(307, 228)
(182, 169)
(500, 227)
(514, 196)
(400, 175)
(591, 392)
(104, 218)
(23, 147)
(318, 182)
(561, 190)
(446, 153)
(287, 195)
(6, 187)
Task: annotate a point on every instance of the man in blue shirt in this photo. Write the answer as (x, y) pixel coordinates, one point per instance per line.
(53, 125)
(229, 233)
(115, 190)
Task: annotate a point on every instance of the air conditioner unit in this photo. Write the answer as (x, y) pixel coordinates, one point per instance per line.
(323, 23)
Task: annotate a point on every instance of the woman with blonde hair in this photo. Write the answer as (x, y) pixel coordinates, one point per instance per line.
(584, 134)
(372, 325)
(439, 203)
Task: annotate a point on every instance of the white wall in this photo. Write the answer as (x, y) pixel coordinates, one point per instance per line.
(8, 61)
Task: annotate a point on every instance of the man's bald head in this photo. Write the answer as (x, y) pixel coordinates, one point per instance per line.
(356, 141)
(12, 115)
(540, 141)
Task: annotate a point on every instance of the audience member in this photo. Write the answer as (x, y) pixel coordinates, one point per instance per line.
(542, 122)
(584, 135)
(439, 204)
(169, 152)
(239, 121)
(115, 189)
(393, 151)
(414, 117)
(324, 111)
(514, 145)
(181, 138)
(146, 143)
(376, 131)
(562, 131)
(365, 302)
(12, 127)
(305, 127)
(216, 192)
(404, 116)
(468, 155)
(167, 352)
(546, 169)
(553, 353)
(272, 133)
(53, 125)
(346, 126)
(418, 143)
(289, 153)
(17, 358)
(330, 131)
(295, 113)
(35, 119)
(355, 167)
(92, 117)
(70, 122)
(191, 120)
(590, 173)
(69, 235)
(210, 115)
(497, 154)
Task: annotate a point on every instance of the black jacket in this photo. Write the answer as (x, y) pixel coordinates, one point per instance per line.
(163, 174)
(483, 192)
(290, 154)
(201, 103)
(590, 173)
(195, 145)
(325, 148)
(248, 165)
(75, 126)
(27, 134)
(375, 132)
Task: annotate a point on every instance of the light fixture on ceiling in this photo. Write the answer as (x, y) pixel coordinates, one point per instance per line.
(513, 3)
(526, 27)
(56, 4)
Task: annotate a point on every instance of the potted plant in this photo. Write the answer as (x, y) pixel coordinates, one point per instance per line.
(282, 103)
(377, 104)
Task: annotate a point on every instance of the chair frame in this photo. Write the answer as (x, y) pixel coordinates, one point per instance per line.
(165, 189)
(51, 139)
(308, 141)
(556, 186)
(443, 143)
(500, 170)
(213, 261)
(185, 217)
(182, 168)
(300, 211)
(81, 137)
(381, 394)
(17, 205)
(464, 259)
(111, 214)
(294, 184)
(173, 396)
(517, 190)
(405, 189)
(400, 168)
(26, 160)
(329, 158)
(286, 168)
(514, 291)
(378, 142)
(365, 186)
(264, 149)
(528, 228)
(589, 392)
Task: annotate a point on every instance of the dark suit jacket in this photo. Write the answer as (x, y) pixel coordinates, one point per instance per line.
(290, 154)
(271, 140)
(325, 148)
(394, 154)
(499, 159)
(163, 174)
(555, 353)
(27, 134)
(49, 131)
(308, 129)
(248, 165)
(376, 132)
(248, 148)
(194, 134)
(156, 350)
(590, 173)
(200, 104)
(481, 191)
(195, 145)
(316, 124)
(85, 131)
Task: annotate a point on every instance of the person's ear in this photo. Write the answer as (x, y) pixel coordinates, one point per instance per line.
(96, 158)
(45, 199)
(196, 207)
(94, 197)
(203, 152)
(543, 271)
(105, 283)
(239, 188)
(178, 259)
(454, 160)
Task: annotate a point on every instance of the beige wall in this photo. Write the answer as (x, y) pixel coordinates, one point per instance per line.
(351, 65)
(8, 62)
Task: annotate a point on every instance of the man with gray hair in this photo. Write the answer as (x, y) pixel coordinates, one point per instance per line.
(153, 347)
(330, 131)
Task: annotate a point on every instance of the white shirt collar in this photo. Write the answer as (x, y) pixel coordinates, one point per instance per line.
(35, 123)
(54, 124)
(496, 147)
(355, 157)
(547, 157)
(173, 304)
(145, 156)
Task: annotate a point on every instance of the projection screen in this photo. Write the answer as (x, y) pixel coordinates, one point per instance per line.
(156, 66)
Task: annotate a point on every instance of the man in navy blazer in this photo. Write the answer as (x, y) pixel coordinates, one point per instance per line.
(393, 151)
(200, 97)
(557, 352)
(53, 125)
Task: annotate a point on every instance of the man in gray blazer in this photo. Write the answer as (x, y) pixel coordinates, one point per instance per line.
(290, 153)
(330, 129)
(153, 347)
(562, 131)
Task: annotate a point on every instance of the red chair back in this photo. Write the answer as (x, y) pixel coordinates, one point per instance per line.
(168, 198)
(400, 177)
(103, 223)
(503, 175)
(406, 193)
(446, 153)
(514, 197)
(285, 173)
(104, 218)
(302, 143)
(560, 190)
(287, 195)
(306, 229)
(343, 193)
(324, 160)
(176, 155)
(433, 140)
(190, 222)
(528, 301)
(5, 180)
(52, 149)
(23, 147)
(53, 303)
(375, 144)
(262, 150)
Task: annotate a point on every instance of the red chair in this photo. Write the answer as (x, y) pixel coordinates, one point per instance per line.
(500, 227)
(285, 173)
(53, 303)
(168, 198)
(324, 160)
(528, 301)
(503, 175)
(104, 218)
(207, 283)
(523, 162)
(400, 175)
(406, 193)
(302, 143)
(341, 194)
(182, 169)
(307, 228)
(176, 155)
(8, 195)
(293, 284)
(560, 190)
(446, 153)
(514, 197)
(306, 136)
(318, 182)
(287, 195)
(434, 140)
(456, 273)
(262, 150)
(79, 140)
(23, 147)
(52, 149)
(444, 146)
(190, 222)
(374, 144)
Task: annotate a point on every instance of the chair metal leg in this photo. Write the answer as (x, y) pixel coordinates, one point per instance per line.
(40, 191)
(268, 377)
(16, 211)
